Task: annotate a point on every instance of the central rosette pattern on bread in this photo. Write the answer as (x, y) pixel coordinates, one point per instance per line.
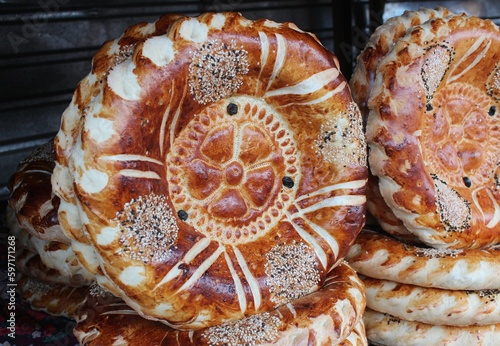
(212, 170)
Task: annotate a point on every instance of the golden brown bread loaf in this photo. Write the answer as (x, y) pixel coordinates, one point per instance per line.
(54, 299)
(383, 329)
(361, 83)
(434, 306)
(382, 257)
(434, 131)
(31, 197)
(330, 316)
(219, 167)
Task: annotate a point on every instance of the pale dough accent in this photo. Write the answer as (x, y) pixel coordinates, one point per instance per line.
(93, 181)
(192, 30)
(159, 50)
(433, 305)
(133, 276)
(123, 81)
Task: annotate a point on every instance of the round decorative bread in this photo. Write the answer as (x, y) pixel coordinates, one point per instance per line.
(221, 165)
(383, 329)
(325, 317)
(54, 299)
(380, 43)
(363, 77)
(382, 257)
(433, 305)
(31, 195)
(434, 131)
(110, 54)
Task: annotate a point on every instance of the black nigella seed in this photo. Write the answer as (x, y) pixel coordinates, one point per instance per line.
(492, 110)
(232, 108)
(288, 182)
(467, 182)
(429, 107)
(182, 215)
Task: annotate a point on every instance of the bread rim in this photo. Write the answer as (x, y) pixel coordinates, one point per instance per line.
(383, 329)
(55, 299)
(330, 316)
(433, 305)
(380, 256)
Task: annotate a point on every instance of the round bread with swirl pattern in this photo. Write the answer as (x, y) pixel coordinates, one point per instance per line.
(329, 316)
(222, 164)
(382, 257)
(383, 329)
(434, 131)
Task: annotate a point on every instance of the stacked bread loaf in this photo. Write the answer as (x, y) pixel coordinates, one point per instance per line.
(210, 173)
(45, 258)
(428, 85)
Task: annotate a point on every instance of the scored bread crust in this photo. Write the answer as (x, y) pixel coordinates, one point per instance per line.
(32, 218)
(379, 44)
(361, 83)
(329, 316)
(434, 131)
(383, 216)
(31, 195)
(40, 258)
(216, 136)
(110, 54)
(382, 257)
(383, 329)
(433, 305)
(357, 336)
(54, 299)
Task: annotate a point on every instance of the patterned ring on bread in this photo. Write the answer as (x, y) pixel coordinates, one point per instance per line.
(219, 169)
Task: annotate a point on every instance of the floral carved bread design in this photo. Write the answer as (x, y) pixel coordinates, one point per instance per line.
(216, 176)
(434, 131)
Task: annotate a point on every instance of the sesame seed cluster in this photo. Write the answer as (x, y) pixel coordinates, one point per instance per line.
(215, 70)
(149, 229)
(291, 272)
